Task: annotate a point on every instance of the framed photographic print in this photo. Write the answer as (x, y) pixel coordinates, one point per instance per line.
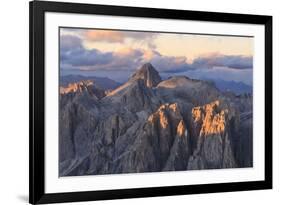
(140, 102)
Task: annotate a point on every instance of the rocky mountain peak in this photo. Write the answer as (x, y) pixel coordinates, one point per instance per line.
(212, 120)
(147, 73)
(212, 136)
(167, 116)
(180, 124)
(84, 86)
(76, 87)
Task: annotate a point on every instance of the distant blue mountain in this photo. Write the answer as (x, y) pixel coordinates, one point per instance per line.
(236, 87)
(103, 82)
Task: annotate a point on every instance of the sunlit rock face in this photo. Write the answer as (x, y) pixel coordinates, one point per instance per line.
(150, 125)
(211, 136)
(166, 128)
(213, 122)
(83, 87)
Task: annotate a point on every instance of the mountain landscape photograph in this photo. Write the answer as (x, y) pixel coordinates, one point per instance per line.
(140, 102)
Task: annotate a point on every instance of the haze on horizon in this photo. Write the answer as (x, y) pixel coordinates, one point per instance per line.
(117, 54)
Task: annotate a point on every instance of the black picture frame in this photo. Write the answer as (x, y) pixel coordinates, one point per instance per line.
(37, 9)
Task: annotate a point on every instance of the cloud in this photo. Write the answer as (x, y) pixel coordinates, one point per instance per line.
(111, 36)
(128, 52)
(170, 64)
(108, 36)
(88, 57)
(74, 56)
(217, 60)
(73, 53)
(70, 42)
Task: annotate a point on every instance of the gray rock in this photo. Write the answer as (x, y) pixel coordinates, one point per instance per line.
(147, 73)
(149, 125)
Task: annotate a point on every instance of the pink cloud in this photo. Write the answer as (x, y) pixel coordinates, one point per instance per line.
(112, 36)
(104, 35)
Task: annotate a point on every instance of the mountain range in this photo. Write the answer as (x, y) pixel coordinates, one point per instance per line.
(103, 82)
(151, 125)
(231, 86)
(225, 86)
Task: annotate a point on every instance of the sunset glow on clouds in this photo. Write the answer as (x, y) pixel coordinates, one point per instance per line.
(108, 50)
(111, 36)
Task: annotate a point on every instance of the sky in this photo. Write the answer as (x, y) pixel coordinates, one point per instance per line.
(117, 54)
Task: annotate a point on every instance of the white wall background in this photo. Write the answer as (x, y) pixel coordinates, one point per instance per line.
(14, 100)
